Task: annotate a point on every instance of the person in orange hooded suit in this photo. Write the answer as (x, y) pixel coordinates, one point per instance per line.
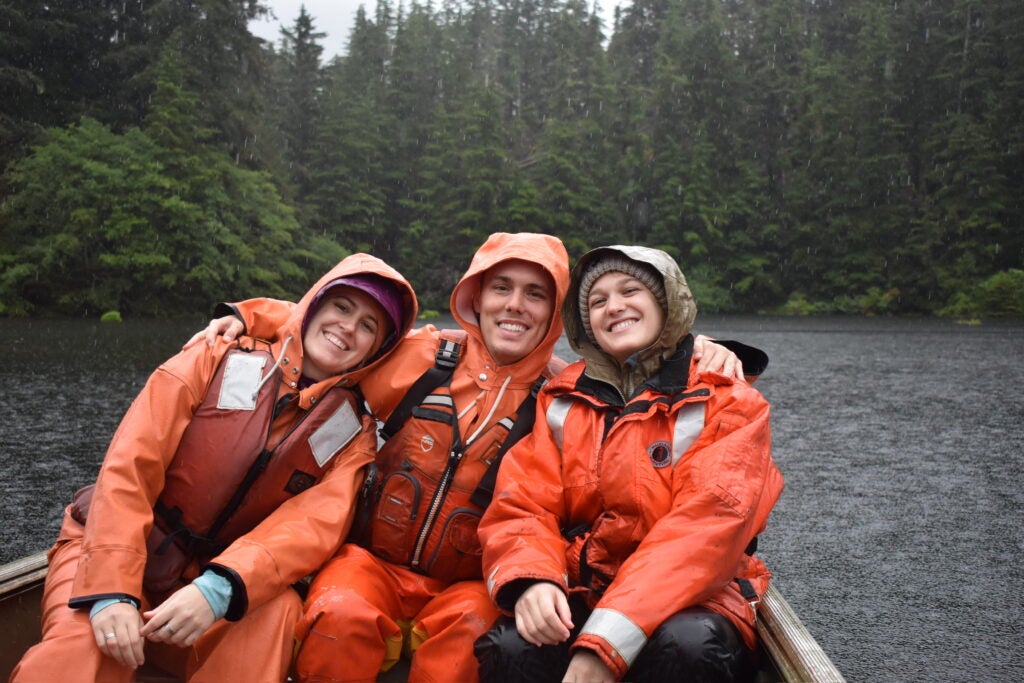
(232, 476)
(620, 540)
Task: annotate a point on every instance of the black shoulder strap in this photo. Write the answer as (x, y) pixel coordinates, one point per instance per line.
(444, 365)
(521, 427)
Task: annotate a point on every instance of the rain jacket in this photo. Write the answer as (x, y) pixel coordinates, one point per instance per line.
(295, 539)
(642, 487)
(484, 394)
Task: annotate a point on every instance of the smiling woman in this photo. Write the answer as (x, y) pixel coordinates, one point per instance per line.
(348, 324)
(178, 542)
(622, 305)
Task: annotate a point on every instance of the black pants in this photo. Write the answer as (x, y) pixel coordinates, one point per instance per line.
(695, 644)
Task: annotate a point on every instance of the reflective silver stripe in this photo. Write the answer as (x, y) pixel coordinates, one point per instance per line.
(490, 581)
(689, 424)
(557, 411)
(621, 633)
(438, 400)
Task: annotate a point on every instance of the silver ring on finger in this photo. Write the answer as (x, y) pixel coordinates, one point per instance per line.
(108, 636)
(169, 629)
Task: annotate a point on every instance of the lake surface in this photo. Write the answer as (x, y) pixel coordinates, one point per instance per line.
(898, 539)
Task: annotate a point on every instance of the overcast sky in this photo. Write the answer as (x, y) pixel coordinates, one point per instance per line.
(334, 17)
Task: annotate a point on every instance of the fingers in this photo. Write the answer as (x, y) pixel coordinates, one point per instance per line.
(698, 346)
(181, 620)
(165, 631)
(228, 327)
(194, 339)
(543, 616)
(116, 630)
(712, 357)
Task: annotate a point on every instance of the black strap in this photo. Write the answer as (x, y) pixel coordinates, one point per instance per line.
(444, 366)
(484, 491)
(747, 590)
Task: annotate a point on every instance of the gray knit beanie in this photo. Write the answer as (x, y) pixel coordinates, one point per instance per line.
(643, 272)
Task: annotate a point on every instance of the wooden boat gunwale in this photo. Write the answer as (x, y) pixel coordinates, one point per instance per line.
(791, 653)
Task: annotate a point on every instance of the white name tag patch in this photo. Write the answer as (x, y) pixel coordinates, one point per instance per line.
(241, 383)
(334, 434)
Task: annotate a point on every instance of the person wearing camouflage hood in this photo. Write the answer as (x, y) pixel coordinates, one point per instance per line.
(620, 541)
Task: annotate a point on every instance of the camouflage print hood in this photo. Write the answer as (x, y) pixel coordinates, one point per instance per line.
(682, 310)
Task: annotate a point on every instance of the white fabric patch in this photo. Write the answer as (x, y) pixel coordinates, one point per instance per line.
(241, 384)
(334, 434)
(557, 412)
(620, 632)
(689, 425)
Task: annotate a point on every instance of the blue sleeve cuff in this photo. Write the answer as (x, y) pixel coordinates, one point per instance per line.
(103, 603)
(100, 605)
(217, 591)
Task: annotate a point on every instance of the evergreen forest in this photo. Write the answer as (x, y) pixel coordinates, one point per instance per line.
(795, 156)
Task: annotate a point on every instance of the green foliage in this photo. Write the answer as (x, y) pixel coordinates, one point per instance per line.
(802, 157)
(102, 221)
(1001, 295)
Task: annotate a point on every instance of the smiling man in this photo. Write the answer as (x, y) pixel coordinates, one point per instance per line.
(514, 307)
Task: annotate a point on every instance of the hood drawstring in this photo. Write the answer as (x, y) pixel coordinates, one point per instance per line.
(494, 406)
(275, 366)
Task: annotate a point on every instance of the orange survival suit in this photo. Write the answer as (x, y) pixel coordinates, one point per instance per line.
(644, 499)
(418, 584)
(159, 442)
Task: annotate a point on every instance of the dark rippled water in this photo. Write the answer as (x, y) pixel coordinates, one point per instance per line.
(898, 539)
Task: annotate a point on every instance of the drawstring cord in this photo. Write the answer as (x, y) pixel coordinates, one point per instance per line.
(494, 407)
(277, 364)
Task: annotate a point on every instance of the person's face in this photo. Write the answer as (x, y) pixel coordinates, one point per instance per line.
(515, 305)
(624, 315)
(346, 329)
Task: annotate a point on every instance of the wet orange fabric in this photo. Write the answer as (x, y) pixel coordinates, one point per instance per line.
(107, 558)
(256, 648)
(663, 520)
(362, 613)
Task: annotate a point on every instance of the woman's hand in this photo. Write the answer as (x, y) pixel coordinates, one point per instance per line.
(228, 327)
(714, 357)
(117, 632)
(542, 615)
(587, 667)
(180, 620)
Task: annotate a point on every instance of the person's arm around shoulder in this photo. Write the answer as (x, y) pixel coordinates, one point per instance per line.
(258, 318)
(729, 358)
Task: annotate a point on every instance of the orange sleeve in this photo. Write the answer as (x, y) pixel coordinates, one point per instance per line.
(301, 534)
(132, 475)
(521, 528)
(262, 317)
